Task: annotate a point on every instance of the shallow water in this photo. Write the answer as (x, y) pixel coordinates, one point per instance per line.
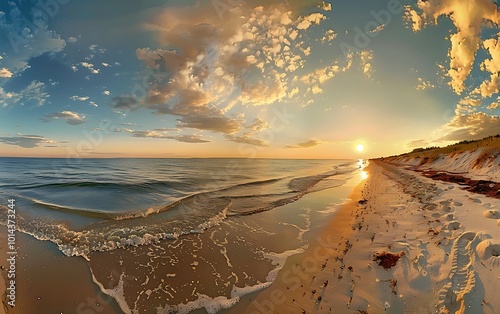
(190, 232)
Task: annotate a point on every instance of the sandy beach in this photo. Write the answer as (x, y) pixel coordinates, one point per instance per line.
(40, 266)
(445, 245)
(402, 243)
(229, 157)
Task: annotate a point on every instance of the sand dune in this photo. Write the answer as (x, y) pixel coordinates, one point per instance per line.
(480, 162)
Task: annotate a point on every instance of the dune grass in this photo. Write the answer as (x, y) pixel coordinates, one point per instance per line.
(490, 150)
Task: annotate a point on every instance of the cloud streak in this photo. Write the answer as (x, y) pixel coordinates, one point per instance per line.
(25, 141)
(306, 144)
(159, 133)
(69, 117)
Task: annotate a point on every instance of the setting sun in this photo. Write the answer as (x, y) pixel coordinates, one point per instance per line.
(360, 148)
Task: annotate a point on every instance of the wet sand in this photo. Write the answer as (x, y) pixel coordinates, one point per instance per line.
(49, 282)
(303, 278)
(214, 270)
(221, 267)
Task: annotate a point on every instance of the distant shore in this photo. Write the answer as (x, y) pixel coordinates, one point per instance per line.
(444, 245)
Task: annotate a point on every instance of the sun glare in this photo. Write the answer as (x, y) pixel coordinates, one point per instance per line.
(360, 148)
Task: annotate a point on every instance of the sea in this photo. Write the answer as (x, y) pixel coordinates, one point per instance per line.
(221, 227)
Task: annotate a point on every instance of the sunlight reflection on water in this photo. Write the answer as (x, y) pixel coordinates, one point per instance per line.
(361, 165)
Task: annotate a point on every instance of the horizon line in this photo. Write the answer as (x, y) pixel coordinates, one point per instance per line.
(277, 158)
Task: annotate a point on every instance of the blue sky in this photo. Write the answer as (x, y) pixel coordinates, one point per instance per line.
(303, 79)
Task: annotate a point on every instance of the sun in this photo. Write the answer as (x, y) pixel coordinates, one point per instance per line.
(360, 148)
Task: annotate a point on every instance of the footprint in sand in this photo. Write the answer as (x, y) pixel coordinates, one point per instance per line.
(459, 291)
(445, 203)
(447, 208)
(449, 217)
(488, 205)
(492, 214)
(430, 206)
(488, 251)
(476, 200)
(457, 204)
(398, 207)
(454, 225)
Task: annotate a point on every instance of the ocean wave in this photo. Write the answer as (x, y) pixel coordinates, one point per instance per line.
(95, 184)
(111, 235)
(87, 212)
(191, 214)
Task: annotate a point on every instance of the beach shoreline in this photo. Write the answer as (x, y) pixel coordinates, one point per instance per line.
(401, 243)
(444, 239)
(200, 272)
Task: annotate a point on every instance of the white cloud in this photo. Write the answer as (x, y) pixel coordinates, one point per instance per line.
(423, 84)
(326, 6)
(250, 135)
(495, 104)
(25, 141)
(80, 98)
(246, 139)
(7, 97)
(27, 41)
(35, 92)
(489, 86)
(185, 138)
(90, 67)
(329, 36)
(207, 72)
(377, 29)
(307, 21)
(469, 17)
(366, 65)
(70, 117)
(4, 72)
(306, 144)
(471, 127)
(470, 101)
(72, 40)
(107, 92)
(320, 76)
(258, 125)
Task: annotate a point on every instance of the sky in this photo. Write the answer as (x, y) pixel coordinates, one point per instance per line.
(245, 79)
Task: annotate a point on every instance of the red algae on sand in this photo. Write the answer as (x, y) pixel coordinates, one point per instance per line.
(488, 188)
(386, 259)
